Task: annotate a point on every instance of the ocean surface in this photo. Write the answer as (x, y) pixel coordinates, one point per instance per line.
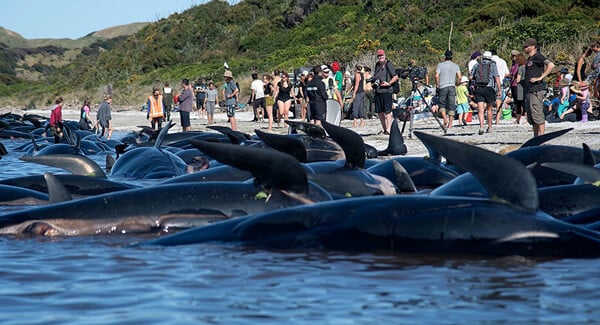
(104, 280)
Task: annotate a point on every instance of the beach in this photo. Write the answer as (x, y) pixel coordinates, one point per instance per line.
(504, 137)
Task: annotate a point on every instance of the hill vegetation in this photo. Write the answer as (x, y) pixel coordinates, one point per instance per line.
(271, 34)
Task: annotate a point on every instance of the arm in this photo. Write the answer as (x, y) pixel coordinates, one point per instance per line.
(547, 69)
(357, 81)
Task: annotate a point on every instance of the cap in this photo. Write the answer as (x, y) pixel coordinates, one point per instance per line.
(305, 73)
(228, 74)
(564, 70)
(530, 42)
(583, 85)
(380, 52)
(514, 52)
(448, 54)
(475, 55)
(487, 55)
(464, 79)
(335, 66)
(325, 68)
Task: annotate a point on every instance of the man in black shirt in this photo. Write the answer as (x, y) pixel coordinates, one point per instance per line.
(536, 69)
(317, 97)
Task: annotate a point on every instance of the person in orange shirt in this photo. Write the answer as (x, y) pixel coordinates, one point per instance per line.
(155, 109)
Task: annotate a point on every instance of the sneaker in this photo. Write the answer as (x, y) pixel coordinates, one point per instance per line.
(480, 131)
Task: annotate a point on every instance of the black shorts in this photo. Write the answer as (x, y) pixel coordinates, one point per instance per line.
(185, 118)
(486, 95)
(199, 103)
(260, 102)
(383, 102)
(318, 112)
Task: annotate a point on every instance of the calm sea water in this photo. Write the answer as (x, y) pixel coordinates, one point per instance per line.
(101, 279)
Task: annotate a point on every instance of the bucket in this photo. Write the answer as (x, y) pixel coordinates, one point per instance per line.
(469, 117)
(506, 114)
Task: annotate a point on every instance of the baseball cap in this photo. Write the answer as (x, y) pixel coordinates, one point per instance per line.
(564, 70)
(464, 79)
(325, 68)
(475, 55)
(530, 42)
(380, 52)
(487, 55)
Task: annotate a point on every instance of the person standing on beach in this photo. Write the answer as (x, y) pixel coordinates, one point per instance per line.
(155, 109)
(167, 101)
(56, 121)
(186, 105)
(317, 96)
(385, 73)
(212, 98)
(230, 93)
(447, 75)
(103, 117)
(536, 69)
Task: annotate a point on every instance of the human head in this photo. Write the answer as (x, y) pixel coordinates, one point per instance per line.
(211, 85)
(448, 54)
(285, 75)
(167, 84)
(359, 67)
(487, 55)
(254, 76)
(325, 68)
(464, 79)
(380, 55)
(583, 85)
(227, 75)
(108, 98)
(58, 100)
(520, 59)
(475, 55)
(185, 82)
(304, 74)
(335, 66)
(317, 70)
(595, 46)
(530, 45)
(564, 70)
(155, 91)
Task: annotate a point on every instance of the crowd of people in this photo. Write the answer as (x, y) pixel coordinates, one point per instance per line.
(488, 85)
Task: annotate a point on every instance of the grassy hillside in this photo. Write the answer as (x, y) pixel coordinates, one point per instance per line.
(272, 34)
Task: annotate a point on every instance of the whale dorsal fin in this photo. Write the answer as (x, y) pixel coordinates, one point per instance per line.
(288, 144)
(57, 192)
(76, 164)
(519, 189)
(351, 142)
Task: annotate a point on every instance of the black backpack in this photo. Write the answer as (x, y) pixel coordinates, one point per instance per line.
(483, 75)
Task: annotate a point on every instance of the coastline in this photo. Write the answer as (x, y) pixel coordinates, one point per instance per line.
(505, 136)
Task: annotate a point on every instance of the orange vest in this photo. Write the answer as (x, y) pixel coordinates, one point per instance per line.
(156, 107)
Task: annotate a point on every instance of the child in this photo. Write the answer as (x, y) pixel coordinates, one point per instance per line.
(565, 93)
(462, 100)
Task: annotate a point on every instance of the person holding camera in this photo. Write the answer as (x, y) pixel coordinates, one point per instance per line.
(384, 76)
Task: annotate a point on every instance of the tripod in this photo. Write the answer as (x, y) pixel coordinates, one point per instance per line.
(411, 110)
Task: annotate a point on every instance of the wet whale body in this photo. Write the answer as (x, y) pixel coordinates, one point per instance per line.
(169, 207)
(508, 223)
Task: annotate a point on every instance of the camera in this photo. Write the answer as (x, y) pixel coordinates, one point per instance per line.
(375, 82)
(412, 72)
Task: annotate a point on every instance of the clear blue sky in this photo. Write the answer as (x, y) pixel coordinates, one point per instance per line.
(77, 18)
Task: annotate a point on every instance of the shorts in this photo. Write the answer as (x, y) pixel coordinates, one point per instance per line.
(486, 95)
(185, 118)
(462, 108)
(259, 102)
(317, 112)
(444, 110)
(502, 94)
(447, 99)
(210, 108)
(535, 109)
(231, 110)
(383, 102)
(199, 103)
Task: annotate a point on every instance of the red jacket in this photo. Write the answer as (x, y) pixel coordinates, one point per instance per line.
(56, 115)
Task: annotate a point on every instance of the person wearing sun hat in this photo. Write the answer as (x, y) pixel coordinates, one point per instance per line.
(230, 95)
(462, 100)
(536, 69)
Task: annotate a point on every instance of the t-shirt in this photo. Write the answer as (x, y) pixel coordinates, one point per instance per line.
(259, 89)
(462, 94)
(534, 69)
(211, 95)
(447, 71)
(230, 87)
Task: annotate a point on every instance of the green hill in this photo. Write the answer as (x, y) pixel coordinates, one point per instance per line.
(270, 34)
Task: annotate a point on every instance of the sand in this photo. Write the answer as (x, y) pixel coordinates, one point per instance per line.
(504, 136)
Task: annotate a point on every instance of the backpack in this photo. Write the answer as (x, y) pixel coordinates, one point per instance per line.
(483, 75)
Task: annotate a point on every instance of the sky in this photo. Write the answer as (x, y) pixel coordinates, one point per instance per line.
(77, 18)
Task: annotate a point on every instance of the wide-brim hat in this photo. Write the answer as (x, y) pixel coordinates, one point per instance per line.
(228, 74)
(464, 79)
(487, 55)
(583, 85)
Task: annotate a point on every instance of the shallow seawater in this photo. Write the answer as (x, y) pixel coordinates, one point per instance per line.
(104, 279)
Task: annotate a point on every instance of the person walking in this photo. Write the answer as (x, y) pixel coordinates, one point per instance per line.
(447, 75)
(536, 69)
(104, 117)
(358, 96)
(155, 109)
(317, 97)
(258, 96)
(212, 98)
(485, 74)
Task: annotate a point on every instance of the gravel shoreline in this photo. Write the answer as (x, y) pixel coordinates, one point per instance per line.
(504, 136)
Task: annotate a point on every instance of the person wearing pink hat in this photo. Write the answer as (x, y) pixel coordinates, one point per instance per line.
(536, 69)
(384, 75)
